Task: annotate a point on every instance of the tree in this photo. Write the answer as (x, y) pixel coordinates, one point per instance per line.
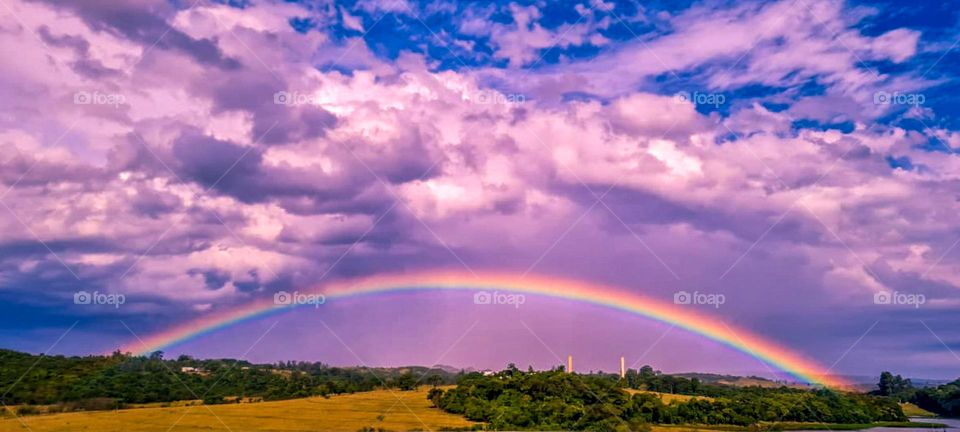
(434, 380)
(406, 382)
(895, 386)
(646, 372)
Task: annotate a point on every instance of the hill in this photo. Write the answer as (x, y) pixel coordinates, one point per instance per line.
(737, 381)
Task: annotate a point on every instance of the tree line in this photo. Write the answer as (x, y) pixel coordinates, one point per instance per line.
(98, 382)
(555, 400)
(943, 399)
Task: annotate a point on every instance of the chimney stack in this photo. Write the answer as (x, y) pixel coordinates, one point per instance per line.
(569, 364)
(623, 368)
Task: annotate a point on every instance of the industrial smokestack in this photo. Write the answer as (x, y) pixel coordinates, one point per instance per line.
(623, 368)
(569, 364)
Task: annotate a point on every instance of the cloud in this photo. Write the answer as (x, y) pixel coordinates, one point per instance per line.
(739, 149)
(522, 41)
(145, 23)
(350, 21)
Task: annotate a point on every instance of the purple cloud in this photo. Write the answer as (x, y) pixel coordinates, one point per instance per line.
(197, 159)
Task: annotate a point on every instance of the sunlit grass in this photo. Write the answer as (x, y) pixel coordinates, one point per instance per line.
(391, 410)
(912, 410)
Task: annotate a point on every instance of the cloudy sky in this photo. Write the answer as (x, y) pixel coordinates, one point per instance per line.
(799, 157)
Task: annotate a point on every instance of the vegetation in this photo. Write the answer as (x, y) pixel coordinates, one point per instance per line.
(943, 400)
(555, 400)
(511, 399)
(111, 382)
(895, 387)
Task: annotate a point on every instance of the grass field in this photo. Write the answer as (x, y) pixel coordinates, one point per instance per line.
(338, 413)
(381, 409)
(667, 398)
(912, 410)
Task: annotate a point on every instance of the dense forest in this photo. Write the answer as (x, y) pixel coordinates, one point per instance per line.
(943, 400)
(97, 382)
(554, 400)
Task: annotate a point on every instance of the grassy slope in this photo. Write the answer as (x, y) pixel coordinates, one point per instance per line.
(912, 410)
(342, 413)
(668, 397)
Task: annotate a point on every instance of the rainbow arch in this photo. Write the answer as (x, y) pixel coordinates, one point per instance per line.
(686, 318)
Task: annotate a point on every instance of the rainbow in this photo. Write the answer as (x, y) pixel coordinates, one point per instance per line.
(591, 293)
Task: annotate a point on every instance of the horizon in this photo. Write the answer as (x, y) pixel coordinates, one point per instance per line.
(869, 379)
(708, 185)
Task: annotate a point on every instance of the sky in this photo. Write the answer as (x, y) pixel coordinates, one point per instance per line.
(175, 159)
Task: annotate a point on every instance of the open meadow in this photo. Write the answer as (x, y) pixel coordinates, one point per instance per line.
(386, 409)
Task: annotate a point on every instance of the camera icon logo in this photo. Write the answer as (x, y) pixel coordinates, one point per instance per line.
(882, 298)
(82, 298)
(282, 298)
(682, 298)
(82, 98)
(281, 98)
(484, 97)
(482, 298)
(681, 97)
(881, 98)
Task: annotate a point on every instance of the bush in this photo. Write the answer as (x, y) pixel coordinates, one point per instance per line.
(27, 410)
(214, 400)
(94, 404)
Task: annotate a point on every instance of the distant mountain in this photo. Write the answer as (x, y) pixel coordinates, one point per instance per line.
(864, 383)
(452, 369)
(739, 381)
(869, 382)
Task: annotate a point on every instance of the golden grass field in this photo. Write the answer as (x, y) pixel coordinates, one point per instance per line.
(912, 410)
(401, 411)
(337, 413)
(667, 398)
